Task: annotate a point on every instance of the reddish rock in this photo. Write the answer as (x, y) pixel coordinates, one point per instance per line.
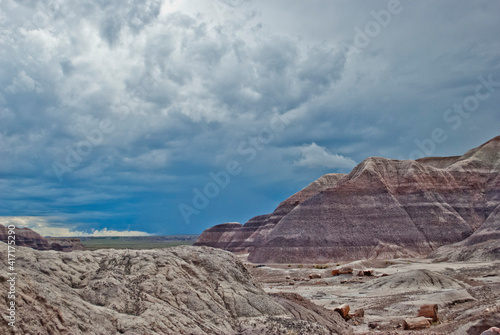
(335, 272)
(416, 323)
(491, 331)
(345, 271)
(429, 311)
(343, 310)
(314, 276)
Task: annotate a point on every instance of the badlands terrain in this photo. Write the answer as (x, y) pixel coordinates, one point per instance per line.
(467, 293)
(181, 290)
(203, 290)
(358, 253)
(431, 227)
(384, 208)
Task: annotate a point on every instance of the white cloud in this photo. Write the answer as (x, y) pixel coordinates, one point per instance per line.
(314, 156)
(23, 83)
(42, 226)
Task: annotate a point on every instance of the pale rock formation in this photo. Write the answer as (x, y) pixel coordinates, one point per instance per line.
(183, 290)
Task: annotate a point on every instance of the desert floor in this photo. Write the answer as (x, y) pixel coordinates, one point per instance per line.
(468, 294)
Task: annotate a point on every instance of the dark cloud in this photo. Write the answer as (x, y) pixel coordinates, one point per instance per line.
(136, 104)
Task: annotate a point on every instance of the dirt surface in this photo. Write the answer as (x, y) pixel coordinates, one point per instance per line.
(467, 293)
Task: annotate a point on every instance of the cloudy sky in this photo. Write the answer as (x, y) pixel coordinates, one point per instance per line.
(167, 117)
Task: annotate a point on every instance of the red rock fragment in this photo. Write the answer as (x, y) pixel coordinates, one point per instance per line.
(343, 310)
(416, 323)
(429, 311)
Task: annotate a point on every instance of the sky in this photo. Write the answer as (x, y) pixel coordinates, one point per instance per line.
(169, 117)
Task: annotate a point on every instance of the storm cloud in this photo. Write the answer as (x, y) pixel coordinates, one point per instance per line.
(117, 115)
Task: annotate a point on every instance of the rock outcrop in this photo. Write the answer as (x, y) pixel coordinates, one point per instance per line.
(65, 243)
(219, 236)
(26, 237)
(303, 308)
(182, 290)
(384, 208)
(236, 237)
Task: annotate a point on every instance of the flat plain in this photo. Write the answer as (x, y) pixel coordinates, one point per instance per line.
(134, 242)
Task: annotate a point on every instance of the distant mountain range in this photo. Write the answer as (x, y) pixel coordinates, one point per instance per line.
(384, 208)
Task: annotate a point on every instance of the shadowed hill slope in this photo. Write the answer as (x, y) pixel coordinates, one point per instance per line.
(484, 244)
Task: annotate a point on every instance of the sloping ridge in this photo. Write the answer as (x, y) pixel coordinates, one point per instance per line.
(379, 202)
(414, 280)
(410, 207)
(182, 290)
(483, 244)
(219, 236)
(26, 237)
(240, 238)
(486, 157)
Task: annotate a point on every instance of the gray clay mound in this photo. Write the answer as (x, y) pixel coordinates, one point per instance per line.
(414, 280)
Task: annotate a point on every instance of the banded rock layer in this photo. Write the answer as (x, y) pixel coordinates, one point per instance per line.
(383, 208)
(236, 237)
(483, 244)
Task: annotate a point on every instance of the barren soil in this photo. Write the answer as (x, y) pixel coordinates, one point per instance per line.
(467, 293)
